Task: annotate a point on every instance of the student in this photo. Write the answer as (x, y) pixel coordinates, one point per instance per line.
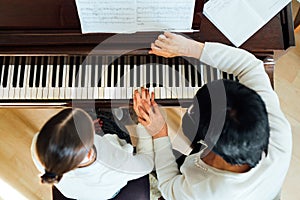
(83, 165)
(248, 157)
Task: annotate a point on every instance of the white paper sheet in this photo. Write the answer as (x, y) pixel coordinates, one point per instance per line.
(238, 20)
(127, 16)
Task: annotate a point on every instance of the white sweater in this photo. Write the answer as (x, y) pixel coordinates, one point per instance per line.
(262, 182)
(114, 167)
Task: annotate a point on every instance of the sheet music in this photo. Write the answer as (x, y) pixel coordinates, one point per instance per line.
(108, 16)
(165, 15)
(127, 16)
(238, 20)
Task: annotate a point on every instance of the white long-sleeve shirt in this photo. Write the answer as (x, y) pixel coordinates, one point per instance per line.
(262, 182)
(115, 165)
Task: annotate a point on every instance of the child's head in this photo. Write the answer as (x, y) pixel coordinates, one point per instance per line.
(63, 143)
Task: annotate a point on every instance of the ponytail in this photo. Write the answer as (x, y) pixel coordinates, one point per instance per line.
(50, 178)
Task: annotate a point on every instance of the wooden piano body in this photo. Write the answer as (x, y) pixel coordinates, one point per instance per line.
(45, 29)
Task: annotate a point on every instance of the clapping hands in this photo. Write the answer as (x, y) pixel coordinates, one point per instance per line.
(149, 114)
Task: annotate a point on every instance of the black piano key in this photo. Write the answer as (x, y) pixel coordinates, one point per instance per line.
(176, 62)
(231, 77)
(138, 71)
(170, 69)
(186, 73)
(22, 72)
(31, 72)
(71, 67)
(77, 66)
(109, 62)
(54, 72)
(61, 70)
(148, 71)
(115, 65)
(159, 62)
(5, 73)
(100, 75)
(92, 62)
(131, 70)
(15, 71)
(193, 78)
(45, 73)
(199, 75)
(122, 65)
(83, 72)
(154, 70)
(38, 71)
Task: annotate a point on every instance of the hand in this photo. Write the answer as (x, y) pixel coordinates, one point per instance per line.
(149, 114)
(137, 99)
(171, 45)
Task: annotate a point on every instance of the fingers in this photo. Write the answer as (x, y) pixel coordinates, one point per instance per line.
(144, 114)
(169, 34)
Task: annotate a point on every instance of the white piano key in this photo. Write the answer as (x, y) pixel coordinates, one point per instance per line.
(23, 90)
(183, 82)
(1, 78)
(204, 75)
(45, 89)
(135, 74)
(49, 82)
(129, 89)
(68, 90)
(103, 79)
(163, 91)
(56, 88)
(118, 87)
(112, 93)
(79, 93)
(180, 77)
(17, 88)
(11, 91)
(39, 94)
(34, 88)
(106, 89)
(27, 80)
(86, 78)
(88, 81)
(65, 75)
(195, 88)
(73, 88)
(97, 79)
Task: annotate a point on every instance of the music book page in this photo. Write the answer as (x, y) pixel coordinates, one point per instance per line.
(238, 20)
(129, 16)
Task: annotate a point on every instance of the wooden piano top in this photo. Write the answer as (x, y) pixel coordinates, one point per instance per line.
(52, 26)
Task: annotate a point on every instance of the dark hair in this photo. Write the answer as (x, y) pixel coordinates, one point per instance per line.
(245, 133)
(63, 142)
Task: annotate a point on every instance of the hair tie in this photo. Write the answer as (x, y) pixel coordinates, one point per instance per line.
(50, 174)
(49, 177)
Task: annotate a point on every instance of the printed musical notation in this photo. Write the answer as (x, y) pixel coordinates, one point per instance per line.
(128, 16)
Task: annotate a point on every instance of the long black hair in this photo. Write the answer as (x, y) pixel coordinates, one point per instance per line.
(63, 142)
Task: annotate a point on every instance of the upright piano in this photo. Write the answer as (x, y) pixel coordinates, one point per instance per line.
(46, 61)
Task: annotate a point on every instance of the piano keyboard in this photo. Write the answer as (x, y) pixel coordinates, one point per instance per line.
(101, 77)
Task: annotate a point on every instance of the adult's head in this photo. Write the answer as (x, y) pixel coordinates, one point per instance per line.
(244, 134)
(63, 143)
